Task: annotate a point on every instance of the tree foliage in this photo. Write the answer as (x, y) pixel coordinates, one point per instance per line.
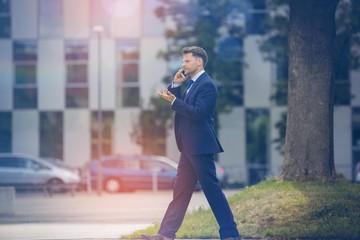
(216, 26)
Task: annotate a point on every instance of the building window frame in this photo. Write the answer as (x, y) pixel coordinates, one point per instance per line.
(25, 74)
(5, 19)
(107, 126)
(128, 69)
(77, 84)
(51, 134)
(5, 131)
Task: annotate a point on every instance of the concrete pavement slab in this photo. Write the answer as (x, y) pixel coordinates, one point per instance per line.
(47, 231)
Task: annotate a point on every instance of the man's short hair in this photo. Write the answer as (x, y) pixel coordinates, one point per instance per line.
(196, 52)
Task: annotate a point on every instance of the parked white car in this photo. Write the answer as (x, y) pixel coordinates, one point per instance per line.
(26, 171)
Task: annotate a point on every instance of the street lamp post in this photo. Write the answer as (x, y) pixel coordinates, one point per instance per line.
(99, 30)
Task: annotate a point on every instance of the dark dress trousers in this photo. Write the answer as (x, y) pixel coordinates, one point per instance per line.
(196, 139)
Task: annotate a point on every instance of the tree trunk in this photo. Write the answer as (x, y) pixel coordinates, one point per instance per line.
(309, 130)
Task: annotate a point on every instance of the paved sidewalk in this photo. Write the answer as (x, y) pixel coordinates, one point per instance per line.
(86, 216)
(42, 231)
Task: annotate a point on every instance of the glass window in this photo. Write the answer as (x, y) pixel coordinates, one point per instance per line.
(5, 132)
(77, 97)
(5, 19)
(342, 92)
(255, 20)
(77, 89)
(230, 58)
(51, 134)
(258, 4)
(4, 6)
(25, 98)
(128, 51)
(130, 96)
(25, 87)
(51, 18)
(280, 83)
(76, 50)
(77, 73)
(128, 73)
(8, 162)
(13, 162)
(257, 143)
(25, 50)
(106, 129)
(25, 74)
(356, 140)
(255, 23)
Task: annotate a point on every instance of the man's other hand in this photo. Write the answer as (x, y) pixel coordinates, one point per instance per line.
(167, 95)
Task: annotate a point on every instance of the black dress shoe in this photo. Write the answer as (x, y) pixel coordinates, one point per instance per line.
(232, 238)
(155, 237)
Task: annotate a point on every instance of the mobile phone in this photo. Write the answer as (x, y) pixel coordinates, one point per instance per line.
(183, 73)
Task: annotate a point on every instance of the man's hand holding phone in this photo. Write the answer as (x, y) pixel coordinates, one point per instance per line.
(180, 76)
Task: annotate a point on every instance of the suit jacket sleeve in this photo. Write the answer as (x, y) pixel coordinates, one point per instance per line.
(203, 105)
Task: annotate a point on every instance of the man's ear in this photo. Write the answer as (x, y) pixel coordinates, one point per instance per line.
(199, 61)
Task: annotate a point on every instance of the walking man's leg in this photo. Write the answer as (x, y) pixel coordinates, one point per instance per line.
(183, 189)
(206, 171)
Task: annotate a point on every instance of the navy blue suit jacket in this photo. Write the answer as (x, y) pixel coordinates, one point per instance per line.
(194, 117)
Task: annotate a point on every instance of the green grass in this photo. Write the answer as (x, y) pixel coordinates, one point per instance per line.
(276, 209)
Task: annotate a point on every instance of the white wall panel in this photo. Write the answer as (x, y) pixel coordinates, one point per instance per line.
(126, 19)
(24, 23)
(51, 75)
(232, 139)
(6, 75)
(257, 75)
(154, 25)
(25, 131)
(76, 19)
(77, 137)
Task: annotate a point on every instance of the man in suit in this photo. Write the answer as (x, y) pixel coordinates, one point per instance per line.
(196, 139)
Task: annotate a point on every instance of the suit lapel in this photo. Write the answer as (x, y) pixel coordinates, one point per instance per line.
(194, 87)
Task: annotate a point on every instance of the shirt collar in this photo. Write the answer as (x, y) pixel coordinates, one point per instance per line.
(197, 75)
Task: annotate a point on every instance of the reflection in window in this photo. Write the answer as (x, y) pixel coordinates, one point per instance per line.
(355, 139)
(77, 89)
(51, 134)
(106, 129)
(5, 19)
(280, 83)
(131, 96)
(128, 93)
(230, 58)
(342, 94)
(255, 20)
(51, 18)
(5, 132)
(25, 88)
(257, 143)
